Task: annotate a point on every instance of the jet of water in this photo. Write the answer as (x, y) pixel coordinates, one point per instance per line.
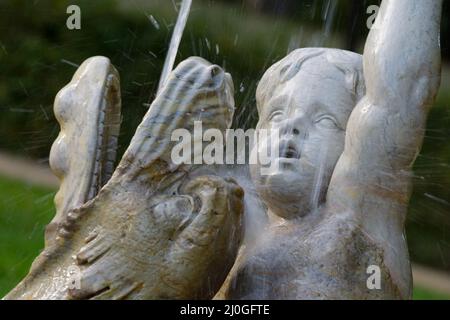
(175, 42)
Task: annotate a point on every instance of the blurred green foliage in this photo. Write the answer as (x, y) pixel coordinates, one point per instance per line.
(25, 211)
(420, 293)
(37, 53)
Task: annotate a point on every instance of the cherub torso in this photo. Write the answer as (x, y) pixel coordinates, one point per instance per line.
(325, 259)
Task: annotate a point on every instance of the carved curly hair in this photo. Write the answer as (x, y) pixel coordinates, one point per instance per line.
(349, 63)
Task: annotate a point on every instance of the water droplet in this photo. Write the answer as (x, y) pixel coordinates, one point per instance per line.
(153, 21)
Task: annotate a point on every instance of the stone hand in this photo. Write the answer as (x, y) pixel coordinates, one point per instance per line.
(164, 248)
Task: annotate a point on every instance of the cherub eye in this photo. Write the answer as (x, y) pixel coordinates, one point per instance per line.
(327, 122)
(276, 116)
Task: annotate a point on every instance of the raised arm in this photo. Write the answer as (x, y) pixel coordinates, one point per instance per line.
(402, 55)
(402, 74)
(385, 131)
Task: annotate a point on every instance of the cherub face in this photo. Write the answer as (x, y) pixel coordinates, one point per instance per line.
(310, 111)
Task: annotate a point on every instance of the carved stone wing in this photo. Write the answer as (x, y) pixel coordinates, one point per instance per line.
(83, 155)
(155, 230)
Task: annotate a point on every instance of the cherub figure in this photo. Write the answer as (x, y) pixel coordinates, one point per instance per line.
(350, 129)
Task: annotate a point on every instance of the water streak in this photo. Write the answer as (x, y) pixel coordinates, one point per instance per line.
(175, 42)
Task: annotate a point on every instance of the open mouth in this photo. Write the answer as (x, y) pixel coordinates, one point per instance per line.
(289, 151)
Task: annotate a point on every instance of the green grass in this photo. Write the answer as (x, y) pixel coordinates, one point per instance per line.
(25, 210)
(426, 294)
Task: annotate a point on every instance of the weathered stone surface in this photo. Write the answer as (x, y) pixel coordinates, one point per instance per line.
(155, 230)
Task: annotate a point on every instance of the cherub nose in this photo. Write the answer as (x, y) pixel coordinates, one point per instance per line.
(295, 126)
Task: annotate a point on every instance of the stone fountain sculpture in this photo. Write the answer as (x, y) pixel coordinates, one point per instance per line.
(155, 230)
(350, 129)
